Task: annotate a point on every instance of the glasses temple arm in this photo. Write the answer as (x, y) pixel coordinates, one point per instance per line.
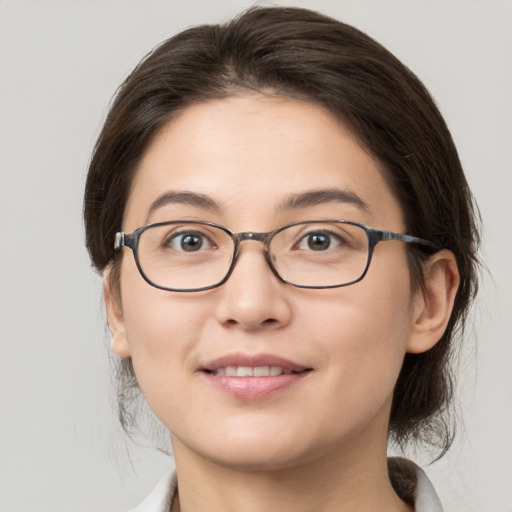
(389, 235)
(124, 240)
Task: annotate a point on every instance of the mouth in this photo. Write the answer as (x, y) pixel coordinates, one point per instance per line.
(253, 377)
(257, 371)
(256, 365)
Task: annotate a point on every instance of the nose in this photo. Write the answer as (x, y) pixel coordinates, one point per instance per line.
(253, 298)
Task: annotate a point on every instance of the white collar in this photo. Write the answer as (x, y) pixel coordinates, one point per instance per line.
(160, 498)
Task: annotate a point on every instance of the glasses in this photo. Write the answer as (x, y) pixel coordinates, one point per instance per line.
(191, 256)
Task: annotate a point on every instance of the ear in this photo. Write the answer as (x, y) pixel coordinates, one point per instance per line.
(113, 306)
(433, 305)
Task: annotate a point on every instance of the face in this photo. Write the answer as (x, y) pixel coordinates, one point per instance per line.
(250, 155)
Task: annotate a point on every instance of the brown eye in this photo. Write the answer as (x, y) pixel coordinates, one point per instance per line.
(191, 241)
(319, 241)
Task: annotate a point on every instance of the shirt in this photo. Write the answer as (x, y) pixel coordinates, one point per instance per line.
(160, 499)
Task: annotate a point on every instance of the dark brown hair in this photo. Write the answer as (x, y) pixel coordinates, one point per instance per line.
(298, 53)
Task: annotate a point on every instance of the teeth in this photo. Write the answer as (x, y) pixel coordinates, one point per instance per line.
(248, 371)
(261, 371)
(231, 371)
(244, 371)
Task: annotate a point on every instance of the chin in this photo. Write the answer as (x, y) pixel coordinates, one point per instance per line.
(258, 458)
(261, 449)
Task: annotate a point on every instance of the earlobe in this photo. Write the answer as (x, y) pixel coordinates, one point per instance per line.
(113, 306)
(434, 304)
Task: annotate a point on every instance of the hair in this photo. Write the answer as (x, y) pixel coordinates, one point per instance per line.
(298, 53)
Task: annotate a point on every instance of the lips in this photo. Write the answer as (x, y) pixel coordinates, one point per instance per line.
(240, 361)
(251, 377)
(257, 371)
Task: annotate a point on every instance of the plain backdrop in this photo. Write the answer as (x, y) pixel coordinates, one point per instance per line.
(60, 63)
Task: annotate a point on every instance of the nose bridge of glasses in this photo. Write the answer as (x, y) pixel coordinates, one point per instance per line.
(249, 235)
(264, 238)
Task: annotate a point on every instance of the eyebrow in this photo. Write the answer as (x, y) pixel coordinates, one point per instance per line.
(190, 198)
(316, 197)
(291, 202)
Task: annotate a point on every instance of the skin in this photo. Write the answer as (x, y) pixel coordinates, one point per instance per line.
(324, 438)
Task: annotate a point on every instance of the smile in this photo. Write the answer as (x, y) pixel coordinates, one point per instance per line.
(250, 377)
(257, 371)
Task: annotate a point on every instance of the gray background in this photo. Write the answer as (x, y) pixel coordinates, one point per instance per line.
(60, 62)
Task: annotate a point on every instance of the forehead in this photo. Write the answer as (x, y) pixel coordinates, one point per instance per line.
(250, 154)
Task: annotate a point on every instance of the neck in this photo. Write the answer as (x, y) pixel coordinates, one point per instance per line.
(356, 480)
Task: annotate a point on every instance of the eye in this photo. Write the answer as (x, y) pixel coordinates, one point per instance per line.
(189, 241)
(319, 241)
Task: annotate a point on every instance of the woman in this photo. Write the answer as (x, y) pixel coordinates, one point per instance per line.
(303, 253)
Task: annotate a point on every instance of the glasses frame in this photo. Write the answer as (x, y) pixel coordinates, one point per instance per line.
(374, 236)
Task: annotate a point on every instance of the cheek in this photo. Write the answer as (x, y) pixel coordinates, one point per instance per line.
(386, 313)
(161, 336)
(161, 329)
(364, 331)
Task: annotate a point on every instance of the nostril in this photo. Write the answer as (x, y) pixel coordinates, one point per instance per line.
(269, 322)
